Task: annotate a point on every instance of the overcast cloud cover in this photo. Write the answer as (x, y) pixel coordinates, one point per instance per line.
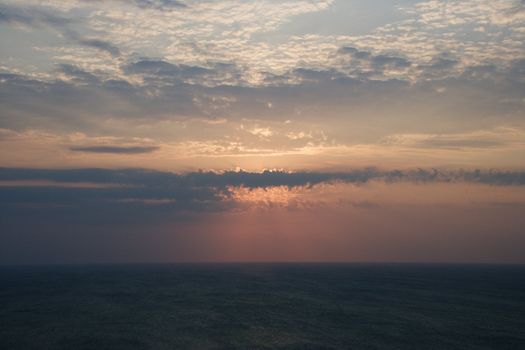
(119, 109)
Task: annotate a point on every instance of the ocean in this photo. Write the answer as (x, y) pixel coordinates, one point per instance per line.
(263, 306)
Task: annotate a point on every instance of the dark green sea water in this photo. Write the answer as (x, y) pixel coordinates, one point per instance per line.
(263, 306)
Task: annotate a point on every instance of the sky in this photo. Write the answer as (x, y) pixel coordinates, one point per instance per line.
(242, 130)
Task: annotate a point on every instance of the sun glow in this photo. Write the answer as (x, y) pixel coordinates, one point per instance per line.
(268, 196)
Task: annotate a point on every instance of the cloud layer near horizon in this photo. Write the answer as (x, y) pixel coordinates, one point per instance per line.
(101, 215)
(74, 189)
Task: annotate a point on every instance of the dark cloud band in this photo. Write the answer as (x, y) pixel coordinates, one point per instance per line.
(152, 178)
(115, 149)
(117, 193)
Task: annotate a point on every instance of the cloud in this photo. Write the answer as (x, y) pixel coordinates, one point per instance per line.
(452, 144)
(101, 45)
(365, 64)
(149, 91)
(128, 196)
(115, 149)
(160, 4)
(383, 61)
(355, 53)
(90, 95)
(67, 27)
(32, 16)
(209, 60)
(160, 72)
(376, 61)
(80, 205)
(482, 139)
(267, 178)
(231, 31)
(162, 68)
(76, 74)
